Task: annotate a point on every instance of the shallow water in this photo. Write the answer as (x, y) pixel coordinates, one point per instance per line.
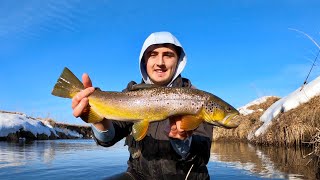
(83, 159)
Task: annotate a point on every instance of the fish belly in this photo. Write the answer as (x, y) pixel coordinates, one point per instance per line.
(135, 110)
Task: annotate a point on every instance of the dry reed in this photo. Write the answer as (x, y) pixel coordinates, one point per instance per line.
(293, 127)
(248, 124)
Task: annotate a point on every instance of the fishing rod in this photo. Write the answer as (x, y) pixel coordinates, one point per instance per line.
(305, 82)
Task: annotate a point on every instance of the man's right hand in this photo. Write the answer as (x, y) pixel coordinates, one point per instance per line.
(80, 101)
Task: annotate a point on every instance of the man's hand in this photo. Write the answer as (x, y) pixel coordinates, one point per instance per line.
(80, 101)
(175, 131)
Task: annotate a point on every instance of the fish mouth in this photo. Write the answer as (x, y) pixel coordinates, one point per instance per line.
(226, 121)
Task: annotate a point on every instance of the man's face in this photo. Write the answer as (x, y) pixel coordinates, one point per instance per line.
(161, 63)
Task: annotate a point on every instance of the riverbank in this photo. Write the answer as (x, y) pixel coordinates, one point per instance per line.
(295, 127)
(16, 126)
(290, 121)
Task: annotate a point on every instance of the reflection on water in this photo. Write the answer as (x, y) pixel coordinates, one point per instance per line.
(83, 159)
(60, 159)
(267, 162)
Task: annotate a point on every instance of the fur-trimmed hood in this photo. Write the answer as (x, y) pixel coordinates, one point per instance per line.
(162, 38)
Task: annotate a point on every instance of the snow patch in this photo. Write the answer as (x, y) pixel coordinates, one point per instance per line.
(293, 100)
(244, 109)
(11, 123)
(68, 132)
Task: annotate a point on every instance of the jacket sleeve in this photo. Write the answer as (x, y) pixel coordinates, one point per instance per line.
(199, 152)
(109, 138)
(103, 136)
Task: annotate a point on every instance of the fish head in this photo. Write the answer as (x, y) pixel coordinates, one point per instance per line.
(218, 112)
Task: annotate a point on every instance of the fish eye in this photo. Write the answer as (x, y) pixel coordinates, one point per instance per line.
(228, 109)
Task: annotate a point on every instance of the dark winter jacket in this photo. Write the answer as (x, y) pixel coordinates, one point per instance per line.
(154, 157)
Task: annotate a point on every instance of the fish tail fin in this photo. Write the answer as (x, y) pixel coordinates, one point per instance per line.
(67, 85)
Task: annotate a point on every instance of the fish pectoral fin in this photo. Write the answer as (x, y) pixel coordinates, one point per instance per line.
(190, 122)
(139, 130)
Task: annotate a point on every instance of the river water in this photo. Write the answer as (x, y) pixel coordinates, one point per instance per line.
(83, 159)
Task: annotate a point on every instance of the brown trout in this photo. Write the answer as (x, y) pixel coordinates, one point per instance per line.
(146, 105)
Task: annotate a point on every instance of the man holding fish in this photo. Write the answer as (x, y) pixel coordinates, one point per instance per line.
(166, 121)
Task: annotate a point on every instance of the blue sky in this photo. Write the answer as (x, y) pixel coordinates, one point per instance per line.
(238, 50)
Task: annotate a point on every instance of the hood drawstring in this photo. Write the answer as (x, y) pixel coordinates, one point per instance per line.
(189, 172)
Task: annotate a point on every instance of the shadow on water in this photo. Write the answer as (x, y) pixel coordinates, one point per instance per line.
(266, 162)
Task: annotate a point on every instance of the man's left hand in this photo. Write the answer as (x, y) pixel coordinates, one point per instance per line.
(175, 131)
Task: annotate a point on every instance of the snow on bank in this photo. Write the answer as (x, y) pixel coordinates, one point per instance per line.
(68, 132)
(244, 110)
(289, 102)
(11, 123)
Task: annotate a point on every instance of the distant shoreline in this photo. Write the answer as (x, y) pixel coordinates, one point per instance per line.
(17, 126)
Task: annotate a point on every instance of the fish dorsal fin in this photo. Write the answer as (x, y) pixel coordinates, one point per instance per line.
(190, 122)
(143, 86)
(139, 129)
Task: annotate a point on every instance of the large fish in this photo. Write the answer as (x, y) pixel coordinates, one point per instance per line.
(145, 105)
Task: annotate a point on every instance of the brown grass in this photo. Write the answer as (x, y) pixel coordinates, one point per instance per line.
(315, 142)
(297, 127)
(315, 145)
(248, 124)
(294, 127)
